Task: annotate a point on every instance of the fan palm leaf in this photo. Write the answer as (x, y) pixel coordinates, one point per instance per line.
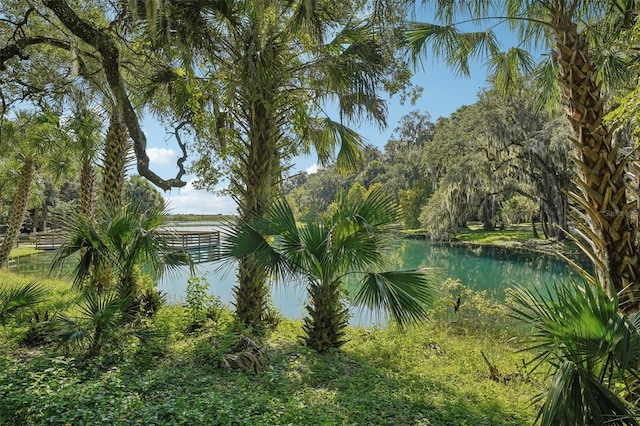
(14, 299)
(590, 345)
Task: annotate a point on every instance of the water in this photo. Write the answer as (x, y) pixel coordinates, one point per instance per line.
(480, 268)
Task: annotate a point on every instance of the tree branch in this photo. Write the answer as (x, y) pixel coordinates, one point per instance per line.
(110, 54)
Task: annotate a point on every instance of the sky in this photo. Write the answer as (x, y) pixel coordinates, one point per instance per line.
(443, 93)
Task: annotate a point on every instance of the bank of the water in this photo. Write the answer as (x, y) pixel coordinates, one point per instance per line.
(433, 374)
(518, 238)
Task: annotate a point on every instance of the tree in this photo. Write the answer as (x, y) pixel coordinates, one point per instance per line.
(15, 299)
(585, 56)
(351, 241)
(143, 196)
(123, 241)
(463, 179)
(86, 128)
(47, 47)
(36, 141)
(270, 69)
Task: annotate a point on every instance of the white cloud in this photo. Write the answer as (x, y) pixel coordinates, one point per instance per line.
(161, 155)
(190, 200)
(313, 169)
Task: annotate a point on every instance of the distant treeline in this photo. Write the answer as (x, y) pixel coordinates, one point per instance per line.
(201, 217)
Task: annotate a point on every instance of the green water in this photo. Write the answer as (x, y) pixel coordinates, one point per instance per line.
(481, 268)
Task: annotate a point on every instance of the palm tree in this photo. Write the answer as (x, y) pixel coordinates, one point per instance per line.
(269, 68)
(35, 141)
(123, 242)
(86, 127)
(114, 162)
(582, 35)
(591, 347)
(351, 242)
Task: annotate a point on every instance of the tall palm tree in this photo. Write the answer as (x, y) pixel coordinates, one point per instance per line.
(86, 127)
(351, 242)
(591, 347)
(35, 140)
(269, 67)
(582, 35)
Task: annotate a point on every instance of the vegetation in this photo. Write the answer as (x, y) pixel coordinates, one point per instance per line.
(578, 74)
(350, 242)
(593, 350)
(431, 374)
(248, 85)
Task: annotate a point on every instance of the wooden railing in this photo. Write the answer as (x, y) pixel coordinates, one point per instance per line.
(177, 239)
(47, 240)
(193, 239)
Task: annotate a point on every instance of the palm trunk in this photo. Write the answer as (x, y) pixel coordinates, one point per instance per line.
(259, 175)
(116, 150)
(601, 174)
(324, 328)
(18, 210)
(87, 180)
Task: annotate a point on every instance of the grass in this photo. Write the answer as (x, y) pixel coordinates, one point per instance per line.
(477, 235)
(433, 374)
(23, 251)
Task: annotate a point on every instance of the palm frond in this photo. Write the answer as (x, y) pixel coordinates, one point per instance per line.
(326, 135)
(576, 397)
(405, 295)
(446, 42)
(545, 80)
(13, 299)
(579, 330)
(507, 67)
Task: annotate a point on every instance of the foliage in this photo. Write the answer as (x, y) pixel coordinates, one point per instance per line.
(591, 347)
(100, 317)
(143, 196)
(349, 242)
(427, 375)
(200, 303)
(199, 218)
(113, 250)
(518, 209)
(34, 138)
(585, 38)
(14, 299)
(487, 153)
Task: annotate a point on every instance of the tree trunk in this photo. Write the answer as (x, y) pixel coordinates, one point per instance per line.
(18, 210)
(487, 212)
(601, 175)
(533, 227)
(116, 149)
(327, 320)
(259, 174)
(544, 222)
(87, 180)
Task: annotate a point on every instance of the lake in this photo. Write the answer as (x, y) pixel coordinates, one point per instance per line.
(478, 267)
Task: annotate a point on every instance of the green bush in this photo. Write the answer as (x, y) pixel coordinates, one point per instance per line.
(201, 305)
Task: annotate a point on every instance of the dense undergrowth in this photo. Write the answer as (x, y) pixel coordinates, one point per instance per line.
(434, 374)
